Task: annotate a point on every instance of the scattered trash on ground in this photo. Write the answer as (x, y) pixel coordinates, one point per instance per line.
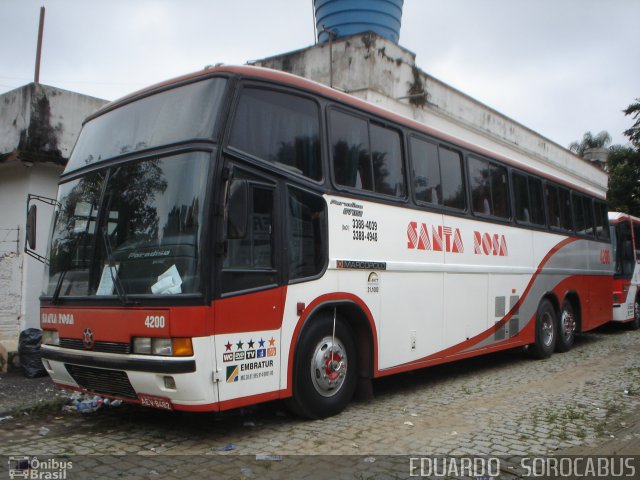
(85, 403)
(43, 431)
(4, 419)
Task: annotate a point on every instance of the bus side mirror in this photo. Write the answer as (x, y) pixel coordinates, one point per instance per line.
(237, 206)
(32, 216)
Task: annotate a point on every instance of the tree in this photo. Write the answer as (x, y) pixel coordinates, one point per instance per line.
(624, 180)
(624, 168)
(589, 140)
(634, 132)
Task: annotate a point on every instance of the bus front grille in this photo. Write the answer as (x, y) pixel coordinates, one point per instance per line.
(102, 381)
(105, 347)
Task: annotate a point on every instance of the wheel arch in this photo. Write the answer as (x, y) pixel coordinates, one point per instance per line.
(573, 297)
(357, 317)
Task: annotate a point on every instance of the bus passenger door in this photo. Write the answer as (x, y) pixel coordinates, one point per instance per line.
(248, 313)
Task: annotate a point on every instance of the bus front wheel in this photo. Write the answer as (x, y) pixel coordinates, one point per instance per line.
(546, 330)
(566, 327)
(325, 371)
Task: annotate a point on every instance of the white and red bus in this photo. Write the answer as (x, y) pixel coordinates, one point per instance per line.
(625, 233)
(241, 235)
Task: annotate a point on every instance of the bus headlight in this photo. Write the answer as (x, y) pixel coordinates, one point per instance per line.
(167, 347)
(50, 337)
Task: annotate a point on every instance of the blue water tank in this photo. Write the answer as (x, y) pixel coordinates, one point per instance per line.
(348, 17)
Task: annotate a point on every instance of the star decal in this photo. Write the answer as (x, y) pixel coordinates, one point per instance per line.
(239, 344)
(251, 343)
(261, 342)
(228, 346)
(272, 342)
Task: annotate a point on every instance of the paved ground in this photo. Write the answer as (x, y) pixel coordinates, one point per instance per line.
(586, 401)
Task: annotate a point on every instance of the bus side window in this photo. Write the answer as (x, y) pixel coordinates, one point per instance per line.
(386, 159)
(307, 220)
(366, 156)
(350, 151)
(280, 128)
(602, 221)
(636, 238)
(489, 190)
(453, 195)
(426, 172)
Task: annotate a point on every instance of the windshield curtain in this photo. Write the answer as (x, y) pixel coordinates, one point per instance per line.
(185, 112)
(134, 228)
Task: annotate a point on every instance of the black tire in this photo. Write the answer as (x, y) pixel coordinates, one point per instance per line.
(546, 330)
(320, 388)
(635, 323)
(566, 327)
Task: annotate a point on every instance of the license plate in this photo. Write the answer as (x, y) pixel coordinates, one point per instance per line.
(155, 402)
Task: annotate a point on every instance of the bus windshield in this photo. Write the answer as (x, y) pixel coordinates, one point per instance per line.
(132, 228)
(185, 112)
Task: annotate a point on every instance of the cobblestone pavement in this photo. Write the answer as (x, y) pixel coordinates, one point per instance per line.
(503, 404)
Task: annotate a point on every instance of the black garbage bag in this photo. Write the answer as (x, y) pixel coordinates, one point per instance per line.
(30, 354)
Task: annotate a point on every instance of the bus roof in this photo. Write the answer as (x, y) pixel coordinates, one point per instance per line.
(290, 80)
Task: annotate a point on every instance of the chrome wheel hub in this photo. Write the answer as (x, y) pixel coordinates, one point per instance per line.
(328, 366)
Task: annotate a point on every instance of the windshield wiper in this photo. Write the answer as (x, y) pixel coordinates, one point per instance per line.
(119, 288)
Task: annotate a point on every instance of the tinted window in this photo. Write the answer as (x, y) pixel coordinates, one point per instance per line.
(350, 151)
(578, 214)
(536, 201)
(489, 190)
(602, 220)
(426, 171)
(174, 115)
(386, 157)
(366, 156)
(521, 198)
(559, 207)
(452, 184)
(249, 261)
(636, 237)
(307, 220)
(280, 128)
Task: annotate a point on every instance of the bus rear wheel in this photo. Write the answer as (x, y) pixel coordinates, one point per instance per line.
(546, 330)
(566, 327)
(325, 372)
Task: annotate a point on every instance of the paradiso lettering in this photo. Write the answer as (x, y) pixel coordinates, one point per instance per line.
(442, 238)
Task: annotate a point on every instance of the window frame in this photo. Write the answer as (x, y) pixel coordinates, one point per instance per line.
(529, 178)
(492, 163)
(438, 144)
(238, 153)
(368, 119)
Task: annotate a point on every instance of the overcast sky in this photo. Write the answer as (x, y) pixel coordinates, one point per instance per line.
(560, 67)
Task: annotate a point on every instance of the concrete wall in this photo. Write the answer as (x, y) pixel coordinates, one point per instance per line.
(21, 276)
(39, 126)
(43, 121)
(381, 72)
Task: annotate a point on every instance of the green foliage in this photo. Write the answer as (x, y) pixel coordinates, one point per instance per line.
(589, 140)
(624, 180)
(623, 164)
(634, 132)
